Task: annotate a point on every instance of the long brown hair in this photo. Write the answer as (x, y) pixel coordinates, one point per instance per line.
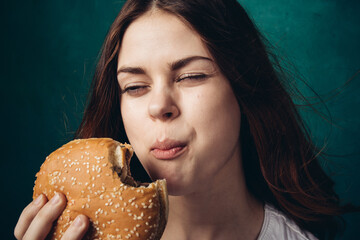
(281, 163)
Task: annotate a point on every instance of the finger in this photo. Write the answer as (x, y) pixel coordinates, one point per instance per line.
(77, 229)
(28, 215)
(43, 221)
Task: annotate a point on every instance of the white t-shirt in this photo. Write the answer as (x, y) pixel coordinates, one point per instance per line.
(277, 226)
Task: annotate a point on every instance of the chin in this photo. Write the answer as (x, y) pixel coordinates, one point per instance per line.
(176, 185)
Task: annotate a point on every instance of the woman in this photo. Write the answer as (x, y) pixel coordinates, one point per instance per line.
(191, 86)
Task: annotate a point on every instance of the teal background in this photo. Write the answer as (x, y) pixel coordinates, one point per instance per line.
(49, 50)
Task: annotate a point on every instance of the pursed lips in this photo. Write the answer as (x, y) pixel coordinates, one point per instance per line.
(167, 149)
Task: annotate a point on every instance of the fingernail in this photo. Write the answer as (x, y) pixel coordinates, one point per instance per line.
(55, 199)
(38, 200)
(78, 222)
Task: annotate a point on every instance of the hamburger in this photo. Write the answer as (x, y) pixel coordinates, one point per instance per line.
(95, 177)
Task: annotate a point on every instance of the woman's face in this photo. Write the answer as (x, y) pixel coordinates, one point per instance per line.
(179, 112)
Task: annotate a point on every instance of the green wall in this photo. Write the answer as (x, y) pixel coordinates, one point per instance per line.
(50, 52)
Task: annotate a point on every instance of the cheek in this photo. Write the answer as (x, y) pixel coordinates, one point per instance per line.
(218, 114)
(217, 123)
(127, 114)
(133, 119)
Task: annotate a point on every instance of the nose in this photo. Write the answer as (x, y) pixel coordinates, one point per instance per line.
(163, 105)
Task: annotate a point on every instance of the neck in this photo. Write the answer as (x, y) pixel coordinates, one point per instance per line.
(224, 209)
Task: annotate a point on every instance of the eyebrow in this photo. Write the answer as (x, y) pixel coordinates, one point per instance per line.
(173, 66)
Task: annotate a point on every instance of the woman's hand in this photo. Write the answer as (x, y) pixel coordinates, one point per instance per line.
(37, 219)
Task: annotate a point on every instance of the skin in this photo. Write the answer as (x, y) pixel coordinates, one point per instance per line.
(36, 220)
(193, 104)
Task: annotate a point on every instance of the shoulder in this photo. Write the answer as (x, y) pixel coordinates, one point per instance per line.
(278, 226)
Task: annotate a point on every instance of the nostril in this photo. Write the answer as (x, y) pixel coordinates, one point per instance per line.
(168, 115)
(163, 109)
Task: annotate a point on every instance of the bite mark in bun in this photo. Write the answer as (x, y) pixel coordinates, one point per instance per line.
(94, 175)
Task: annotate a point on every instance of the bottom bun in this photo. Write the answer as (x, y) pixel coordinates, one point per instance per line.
(94, 175)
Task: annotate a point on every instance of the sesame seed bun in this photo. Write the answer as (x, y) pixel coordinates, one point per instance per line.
(94, 175)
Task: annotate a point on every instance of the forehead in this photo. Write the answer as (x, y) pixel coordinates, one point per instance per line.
(159, 35)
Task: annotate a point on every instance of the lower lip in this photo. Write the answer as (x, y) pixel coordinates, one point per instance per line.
(168, 154)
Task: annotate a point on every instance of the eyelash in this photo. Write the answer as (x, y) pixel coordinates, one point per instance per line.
(133, 90)
(192, 77)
